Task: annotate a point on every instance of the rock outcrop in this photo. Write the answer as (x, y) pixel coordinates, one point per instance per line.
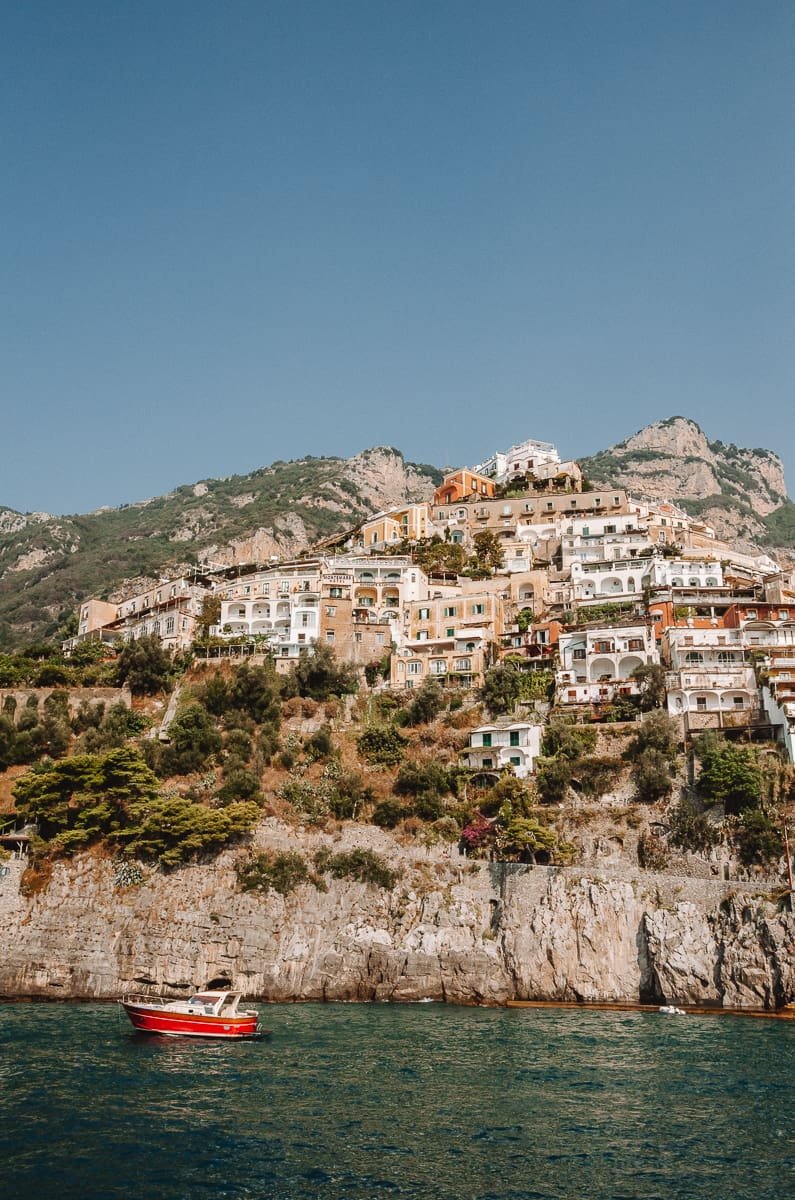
(734, 488)
(450, 930)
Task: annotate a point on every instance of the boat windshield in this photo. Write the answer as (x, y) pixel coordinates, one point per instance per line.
(204, 998)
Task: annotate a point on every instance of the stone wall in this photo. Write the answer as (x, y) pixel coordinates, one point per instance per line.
(450, 930)
(74, 696)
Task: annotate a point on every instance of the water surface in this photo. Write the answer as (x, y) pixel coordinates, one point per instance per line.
(354, 1102)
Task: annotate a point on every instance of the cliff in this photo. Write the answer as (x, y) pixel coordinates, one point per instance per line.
(740, 492)
(454, 930)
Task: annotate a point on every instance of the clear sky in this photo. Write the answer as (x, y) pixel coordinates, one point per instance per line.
(232, 232)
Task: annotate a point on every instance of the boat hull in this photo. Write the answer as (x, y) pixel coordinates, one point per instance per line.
(174, 1024)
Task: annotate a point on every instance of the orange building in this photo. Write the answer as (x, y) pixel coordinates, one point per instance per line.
(463, 485)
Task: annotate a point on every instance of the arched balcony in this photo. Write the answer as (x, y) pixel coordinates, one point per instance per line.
(628, 664)
(602, 668)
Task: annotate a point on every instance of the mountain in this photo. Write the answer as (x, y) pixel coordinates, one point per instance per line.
(49, 564)
(741, 493)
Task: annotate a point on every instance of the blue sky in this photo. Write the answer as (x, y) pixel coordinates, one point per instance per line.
(235, 232)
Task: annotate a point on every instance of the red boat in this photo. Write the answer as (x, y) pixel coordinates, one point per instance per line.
(205, 1014)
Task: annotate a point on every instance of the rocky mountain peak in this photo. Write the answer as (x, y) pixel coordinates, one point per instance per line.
(678, 436)
(733, 488)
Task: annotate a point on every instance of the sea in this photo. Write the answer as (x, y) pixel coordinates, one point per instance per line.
(364, 1102)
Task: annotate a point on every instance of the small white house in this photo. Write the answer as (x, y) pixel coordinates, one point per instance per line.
(493, 747)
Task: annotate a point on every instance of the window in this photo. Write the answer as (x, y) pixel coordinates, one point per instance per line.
(738, 702)
(169, 625)
(506, 510)
(514, 738)
(451, 611)
(783, 614)
(331, 610)
(422, 635)
(462, 664)
(478, 609)
(329, 635)
(450, 632)
(379, 637)
(516, 760)
(701, 703)
(415, 668)
(438, 666)
(335, 593)
(487, 762)
(486, 739)
(358, 635)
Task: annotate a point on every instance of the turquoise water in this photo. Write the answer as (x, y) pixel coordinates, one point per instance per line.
(360, 1101)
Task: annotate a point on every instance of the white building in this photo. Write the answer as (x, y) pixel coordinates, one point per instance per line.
(494, 747)
(291, 604)
(596, 665)
(521, 459)
(709, 674)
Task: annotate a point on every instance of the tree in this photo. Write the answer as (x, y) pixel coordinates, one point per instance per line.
(563, 737)
(657, 732)
(426, 704)
(193, 741)
(144, 666)
(729, 775)
(502, 688)
(79, 800)
(651, 679)
(318, 675)
(651, 775)
(488, 551)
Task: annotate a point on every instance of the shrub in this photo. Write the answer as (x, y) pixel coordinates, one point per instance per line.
(426, 703)
(553, 778)
(427, 777)
(239, 784)
(428, 806)
(653, 854)
(281, 872)
(320, 744)
(363, 866)
(692, 830)
(596, 775)
(348, 796)
(758, 840)
(381, 745)
(478, 834)
(389, 813)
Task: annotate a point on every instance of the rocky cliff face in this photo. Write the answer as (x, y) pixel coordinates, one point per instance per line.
(734, 489)
(450, 930)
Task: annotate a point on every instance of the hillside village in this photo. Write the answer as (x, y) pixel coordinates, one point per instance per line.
(441, 753)
(517, 561)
